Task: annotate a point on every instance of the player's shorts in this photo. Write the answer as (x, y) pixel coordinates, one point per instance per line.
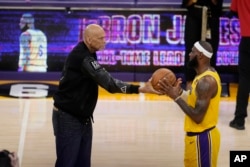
(202, 149)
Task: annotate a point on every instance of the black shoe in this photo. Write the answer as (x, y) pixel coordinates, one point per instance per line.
(235, 125)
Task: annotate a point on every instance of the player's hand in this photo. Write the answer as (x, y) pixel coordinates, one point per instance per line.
(173, 91)
(148, 88)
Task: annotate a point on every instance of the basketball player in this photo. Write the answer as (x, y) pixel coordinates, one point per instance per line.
(193, 29)
(201, 107)
(76, 98)
(33, 46)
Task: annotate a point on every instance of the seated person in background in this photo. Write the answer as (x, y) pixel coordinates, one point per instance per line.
(8, 159)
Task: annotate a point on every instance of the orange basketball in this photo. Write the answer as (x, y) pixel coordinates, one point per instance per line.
(161, 73)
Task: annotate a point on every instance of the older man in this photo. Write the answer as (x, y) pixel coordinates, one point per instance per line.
(76, 98)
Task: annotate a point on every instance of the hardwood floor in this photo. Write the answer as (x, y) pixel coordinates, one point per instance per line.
(129, 131)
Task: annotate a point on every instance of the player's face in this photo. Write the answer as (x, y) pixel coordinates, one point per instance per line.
(23, 24)
(193, 61)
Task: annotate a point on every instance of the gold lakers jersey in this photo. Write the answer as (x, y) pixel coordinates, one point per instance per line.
(212, 114)
(33, 53)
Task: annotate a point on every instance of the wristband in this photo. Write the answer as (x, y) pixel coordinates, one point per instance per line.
(183, 95)
(177, 98)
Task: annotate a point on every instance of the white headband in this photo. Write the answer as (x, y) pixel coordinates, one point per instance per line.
(201, 49)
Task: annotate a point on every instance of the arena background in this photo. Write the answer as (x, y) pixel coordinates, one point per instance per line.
(141, 36)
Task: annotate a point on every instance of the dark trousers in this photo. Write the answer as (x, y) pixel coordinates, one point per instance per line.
(73, 140)
(244, 80)
(192, 33)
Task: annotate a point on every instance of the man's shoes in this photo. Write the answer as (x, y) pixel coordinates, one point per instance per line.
(235, 125)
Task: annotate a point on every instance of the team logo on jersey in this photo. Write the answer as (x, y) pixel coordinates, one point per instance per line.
(27, 90)
(95, 65)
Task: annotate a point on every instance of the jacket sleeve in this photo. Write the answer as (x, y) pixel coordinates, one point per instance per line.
(104, 79)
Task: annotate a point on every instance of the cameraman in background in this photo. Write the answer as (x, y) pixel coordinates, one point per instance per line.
(8, 159)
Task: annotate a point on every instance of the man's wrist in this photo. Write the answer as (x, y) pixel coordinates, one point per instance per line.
(177, 98)
(180, 91)
(182, 94)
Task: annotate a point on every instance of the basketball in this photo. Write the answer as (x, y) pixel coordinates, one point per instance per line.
(161, 73)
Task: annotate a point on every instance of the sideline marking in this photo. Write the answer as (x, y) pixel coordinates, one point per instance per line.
(23, 129)
(142, 95)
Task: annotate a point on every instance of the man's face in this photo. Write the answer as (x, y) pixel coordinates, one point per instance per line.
(98, 42)
(193, 61)
(23, 24)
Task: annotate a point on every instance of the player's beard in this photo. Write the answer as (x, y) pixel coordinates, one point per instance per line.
(25, 28)
(193, 63)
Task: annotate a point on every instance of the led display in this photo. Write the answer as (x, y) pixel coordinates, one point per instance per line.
(137, 41)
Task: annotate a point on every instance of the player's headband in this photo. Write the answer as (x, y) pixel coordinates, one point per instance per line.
(203, 50)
